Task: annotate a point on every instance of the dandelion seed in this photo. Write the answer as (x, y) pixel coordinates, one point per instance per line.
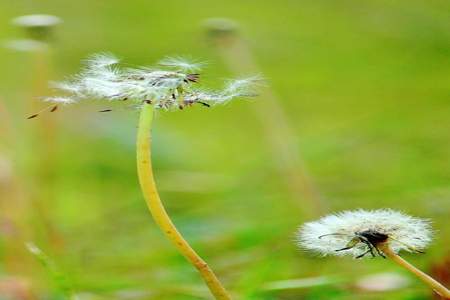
(244, 87)
(180, 63)
(60, 100)
(359, 232)
(101, 60)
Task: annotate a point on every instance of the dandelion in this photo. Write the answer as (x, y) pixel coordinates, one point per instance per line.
(166, 89)
(361, 233)
(151, 89)
(331, 234)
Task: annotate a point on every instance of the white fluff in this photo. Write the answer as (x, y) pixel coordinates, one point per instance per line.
(59, 100)
(166, 89)
(101, 60)
(405, 232)
(181, 64)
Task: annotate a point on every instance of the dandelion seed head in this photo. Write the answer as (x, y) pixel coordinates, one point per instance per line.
(102, 78)
(333, 232)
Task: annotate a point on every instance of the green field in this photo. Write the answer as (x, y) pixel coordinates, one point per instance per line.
(365, 89)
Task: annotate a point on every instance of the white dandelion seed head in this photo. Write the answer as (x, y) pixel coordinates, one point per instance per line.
(170, 89)
(334, 232)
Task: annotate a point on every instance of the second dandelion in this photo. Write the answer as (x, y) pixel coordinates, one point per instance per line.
(363, 233)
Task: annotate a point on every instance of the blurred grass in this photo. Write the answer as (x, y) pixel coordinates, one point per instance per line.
(365, 83)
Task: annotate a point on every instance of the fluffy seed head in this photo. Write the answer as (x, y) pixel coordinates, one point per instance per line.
(334, 232)
(168, 89)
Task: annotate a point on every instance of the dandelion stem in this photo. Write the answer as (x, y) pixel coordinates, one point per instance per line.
(436, 286)
(157, 209)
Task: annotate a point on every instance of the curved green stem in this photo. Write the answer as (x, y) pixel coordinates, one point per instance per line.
(162, 219)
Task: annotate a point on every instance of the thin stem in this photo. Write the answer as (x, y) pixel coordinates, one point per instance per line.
(148, 186)
(436, 286)
(46, 130)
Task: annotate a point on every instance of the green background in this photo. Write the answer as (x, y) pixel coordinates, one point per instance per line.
(364, 85)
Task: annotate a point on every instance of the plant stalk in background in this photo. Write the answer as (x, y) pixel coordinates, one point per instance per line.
(39, 31)
(280, 136)
(23, 206)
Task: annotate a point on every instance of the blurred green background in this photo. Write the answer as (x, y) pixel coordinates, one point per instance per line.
(364, 86)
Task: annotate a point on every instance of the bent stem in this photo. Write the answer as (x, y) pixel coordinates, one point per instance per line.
(436, 286)
(162, 219)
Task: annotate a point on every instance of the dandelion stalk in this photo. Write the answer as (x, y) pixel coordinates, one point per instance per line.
(157, 209)
(432, 283)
